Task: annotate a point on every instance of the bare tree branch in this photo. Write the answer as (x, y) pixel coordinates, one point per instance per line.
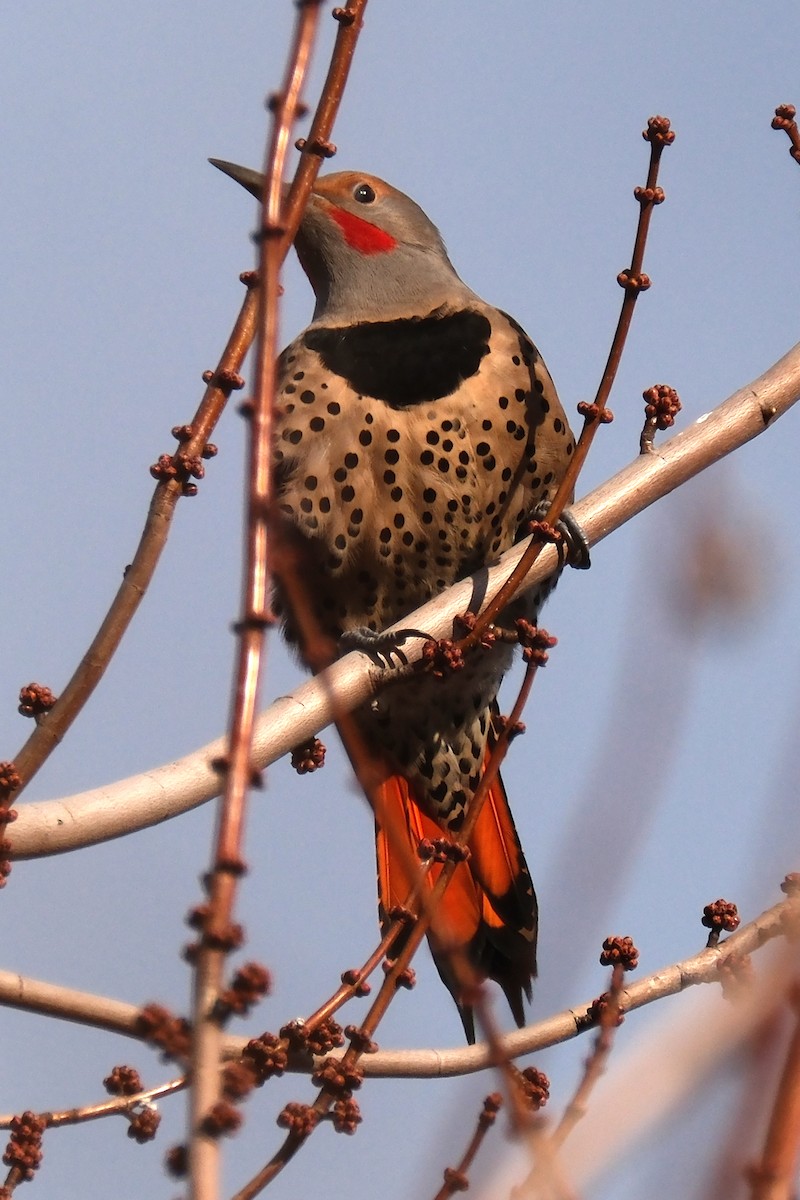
(52, 827)
(218, 929)
(31, 995)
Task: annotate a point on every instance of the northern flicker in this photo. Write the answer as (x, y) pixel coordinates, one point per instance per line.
(417, 430)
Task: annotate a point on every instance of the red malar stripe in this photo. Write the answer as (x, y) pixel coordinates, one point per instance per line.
(360, 234)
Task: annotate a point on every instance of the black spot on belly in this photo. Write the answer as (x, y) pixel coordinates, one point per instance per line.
(407, 361)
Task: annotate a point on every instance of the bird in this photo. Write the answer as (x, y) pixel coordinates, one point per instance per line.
(417, 430)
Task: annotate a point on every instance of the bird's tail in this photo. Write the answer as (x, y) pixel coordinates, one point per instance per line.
(487, 918)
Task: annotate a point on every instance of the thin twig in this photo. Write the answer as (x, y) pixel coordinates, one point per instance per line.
(693, 1044)
(353, 981)
(546, 1174)
(460, 966)
(633, 281)
(218, 937)
(424, 905)
(753, 1059)
(702, 968)
(456, 1178)
(279, 223)
(595, 1063)
(100, 1012)
(220, 383)
(104, 1108)
(317, 145)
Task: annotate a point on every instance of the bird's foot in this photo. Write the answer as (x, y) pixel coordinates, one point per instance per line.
(379, 646)
(574, 545)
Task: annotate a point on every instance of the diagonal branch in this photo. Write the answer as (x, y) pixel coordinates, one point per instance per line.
(633, 281)
(52, 827)
(217, 936)
(116, 1016)
(279, 220)
(219, 385)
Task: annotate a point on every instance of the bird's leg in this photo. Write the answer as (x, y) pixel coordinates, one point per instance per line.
(573, 550)
(379, 646)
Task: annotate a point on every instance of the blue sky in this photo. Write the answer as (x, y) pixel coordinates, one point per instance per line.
(658, 771)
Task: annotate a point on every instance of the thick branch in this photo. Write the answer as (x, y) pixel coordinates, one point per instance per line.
(53, 827)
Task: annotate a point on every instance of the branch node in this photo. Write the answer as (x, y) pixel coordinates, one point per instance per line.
(662, 405)
(268, 231)
(658, 132)
(406, 979)
(633, 283)
(352, 979)
(442, 657)
(316, 146)
(227, 381)
(299, 1119)
(223, 1119)
(360, 1039)
(24, 1150)
(10, 781)
(255, 622)
(308, 757)
(535, 1088)
(619, 950)
(237, 867)
(35, 700)
(649, 195)
(594, 412)
(785, 119)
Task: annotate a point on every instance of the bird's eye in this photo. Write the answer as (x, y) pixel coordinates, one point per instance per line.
(364, 194)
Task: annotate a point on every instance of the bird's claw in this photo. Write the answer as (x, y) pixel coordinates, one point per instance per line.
(576, 543)
(379, 646)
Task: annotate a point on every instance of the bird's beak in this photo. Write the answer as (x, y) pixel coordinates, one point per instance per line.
(253, 181)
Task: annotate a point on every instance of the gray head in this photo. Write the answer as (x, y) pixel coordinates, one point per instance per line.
(368, 250)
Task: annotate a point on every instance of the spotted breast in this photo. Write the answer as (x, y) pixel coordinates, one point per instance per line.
(417, 429)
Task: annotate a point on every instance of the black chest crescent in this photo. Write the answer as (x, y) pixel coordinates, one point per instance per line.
(408, 361)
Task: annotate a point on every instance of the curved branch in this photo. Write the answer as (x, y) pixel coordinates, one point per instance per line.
(116, 1016)
(55, 826)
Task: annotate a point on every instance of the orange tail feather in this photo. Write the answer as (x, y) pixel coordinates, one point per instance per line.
(488, 912)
